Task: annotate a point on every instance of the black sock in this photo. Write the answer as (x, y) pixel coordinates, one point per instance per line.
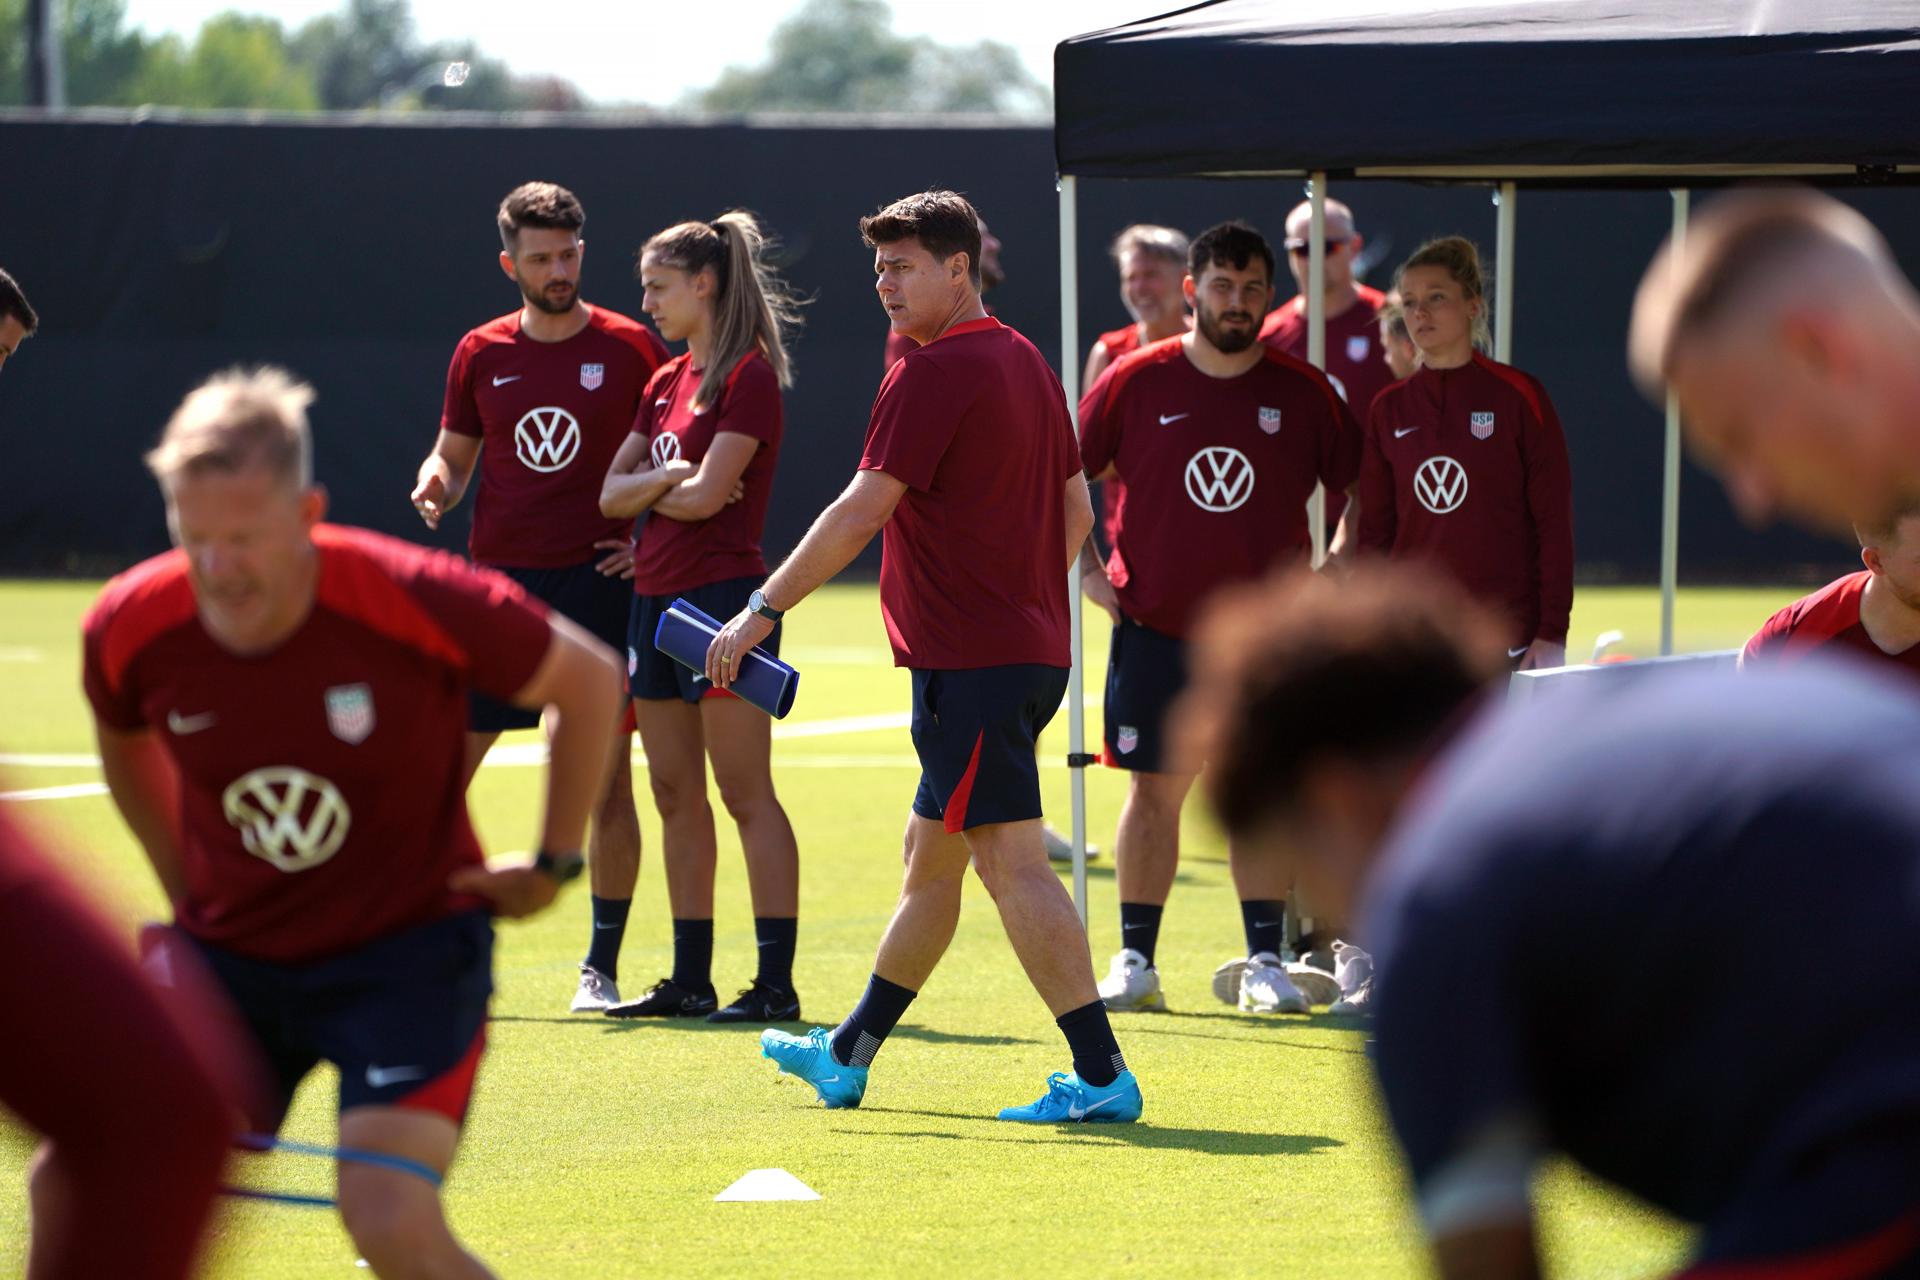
(871, 1022)
(609, 927)
(1265, 920)
(1140, 927)
(1096, 1054)
(775, 934)
(693, 953)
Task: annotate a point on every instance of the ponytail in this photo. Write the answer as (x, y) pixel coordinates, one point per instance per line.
(753, 308)
(1460, 257)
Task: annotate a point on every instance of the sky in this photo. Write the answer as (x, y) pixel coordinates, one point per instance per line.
(602, 45)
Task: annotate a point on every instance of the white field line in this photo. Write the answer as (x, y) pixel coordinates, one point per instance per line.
(524, 755)
(20, 653)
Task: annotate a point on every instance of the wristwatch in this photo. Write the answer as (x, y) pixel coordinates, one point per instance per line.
(560, 868)
(757, 603)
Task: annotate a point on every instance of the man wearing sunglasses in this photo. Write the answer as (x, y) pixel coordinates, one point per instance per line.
(1352, 310)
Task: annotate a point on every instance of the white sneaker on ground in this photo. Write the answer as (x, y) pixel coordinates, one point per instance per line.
(1353, 968)
(1060, 848)
(1132, 984)
(1265, 987)
(1315, 983)
(595, 993)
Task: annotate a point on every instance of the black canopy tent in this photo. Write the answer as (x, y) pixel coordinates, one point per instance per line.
(1545, 93)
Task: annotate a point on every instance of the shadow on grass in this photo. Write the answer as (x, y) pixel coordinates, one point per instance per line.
(753, 1029)
(1277, 1043)
(1143, 1135)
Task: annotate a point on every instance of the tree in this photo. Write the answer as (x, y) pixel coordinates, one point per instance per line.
(235, 61)
(844, 56)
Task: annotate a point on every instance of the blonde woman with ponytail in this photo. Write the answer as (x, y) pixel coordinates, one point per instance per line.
(717, 409)
(1466, 465)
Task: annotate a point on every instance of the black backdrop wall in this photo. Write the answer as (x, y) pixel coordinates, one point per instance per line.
(160, 249)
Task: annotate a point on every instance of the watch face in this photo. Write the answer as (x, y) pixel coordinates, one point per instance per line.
(756, 602)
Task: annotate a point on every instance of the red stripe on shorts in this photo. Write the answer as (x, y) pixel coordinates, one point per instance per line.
(956, 819)
(450, 1092)
(1874, 1255)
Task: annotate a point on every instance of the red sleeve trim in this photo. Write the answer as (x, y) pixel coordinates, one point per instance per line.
(358, 581)
(1285, 361)
(1523, 383)
(137, 608)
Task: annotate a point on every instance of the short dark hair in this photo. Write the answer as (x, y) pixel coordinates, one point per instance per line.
(538, 204)
(1881, 532)
(1301, 668)
(14, 303)
(1229, 244)
(944, 222)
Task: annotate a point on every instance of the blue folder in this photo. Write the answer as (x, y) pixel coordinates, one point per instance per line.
(685, 633)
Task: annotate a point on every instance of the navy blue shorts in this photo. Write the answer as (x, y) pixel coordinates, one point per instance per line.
(975, 733)
(1146, 672)
(404, 1017)
(652, 674)
(580, 593)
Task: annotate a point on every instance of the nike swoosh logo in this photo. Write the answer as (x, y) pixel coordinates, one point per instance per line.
(184, 725)
(598, 925)
(660, 404)
(1265, 924)
(1403, 431)
(829, 1079)
(512, 377)
(1076, 1113)
(1517, 653)
(381, 1077)
(1165, 418)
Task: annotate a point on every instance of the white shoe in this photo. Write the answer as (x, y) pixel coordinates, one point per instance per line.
(1060, 848)
(596, 992)
(1132, 984)
(1353, 968)
(1265, 987)
(1315, 983)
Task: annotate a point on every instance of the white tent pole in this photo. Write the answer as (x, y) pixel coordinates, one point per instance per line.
(1317, 339)
(1670, 485)
(1504, 200)
(1076, 694)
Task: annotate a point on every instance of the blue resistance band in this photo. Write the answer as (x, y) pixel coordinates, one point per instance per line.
(261, 1142)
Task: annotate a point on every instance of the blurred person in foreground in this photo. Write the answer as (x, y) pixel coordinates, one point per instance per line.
(1362, 737)
(1792, 339)
(1872, 614)
(281, 709)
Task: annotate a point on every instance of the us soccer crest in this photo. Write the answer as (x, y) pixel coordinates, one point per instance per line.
(1357, 348)
(350, 712)
(1269, 420)
(592, 375)
(1481, 424)
(1127, 739)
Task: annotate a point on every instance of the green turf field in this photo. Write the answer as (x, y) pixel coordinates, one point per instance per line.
(595, 1148)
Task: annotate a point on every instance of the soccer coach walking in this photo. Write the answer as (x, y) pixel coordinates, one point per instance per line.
(972, 469)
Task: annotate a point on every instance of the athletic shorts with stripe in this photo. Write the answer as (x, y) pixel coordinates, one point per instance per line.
(580, 593)
(974, 732)
(404, 1017)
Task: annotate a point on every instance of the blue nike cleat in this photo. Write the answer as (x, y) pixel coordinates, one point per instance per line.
(810, 1057)
(1070, 1100)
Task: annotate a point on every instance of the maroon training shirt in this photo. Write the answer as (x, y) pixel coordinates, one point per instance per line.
(552, 415)
(323, 796)
(1218, 472)
(1468, 468)
(973, 568)
(1353, 345)
(1827, 619)
(1113, 491)
(678, 555)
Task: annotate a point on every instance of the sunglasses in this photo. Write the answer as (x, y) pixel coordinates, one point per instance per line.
(1299, 248)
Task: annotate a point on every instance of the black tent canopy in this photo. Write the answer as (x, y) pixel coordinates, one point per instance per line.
(1589, 93)
(1592, 90)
